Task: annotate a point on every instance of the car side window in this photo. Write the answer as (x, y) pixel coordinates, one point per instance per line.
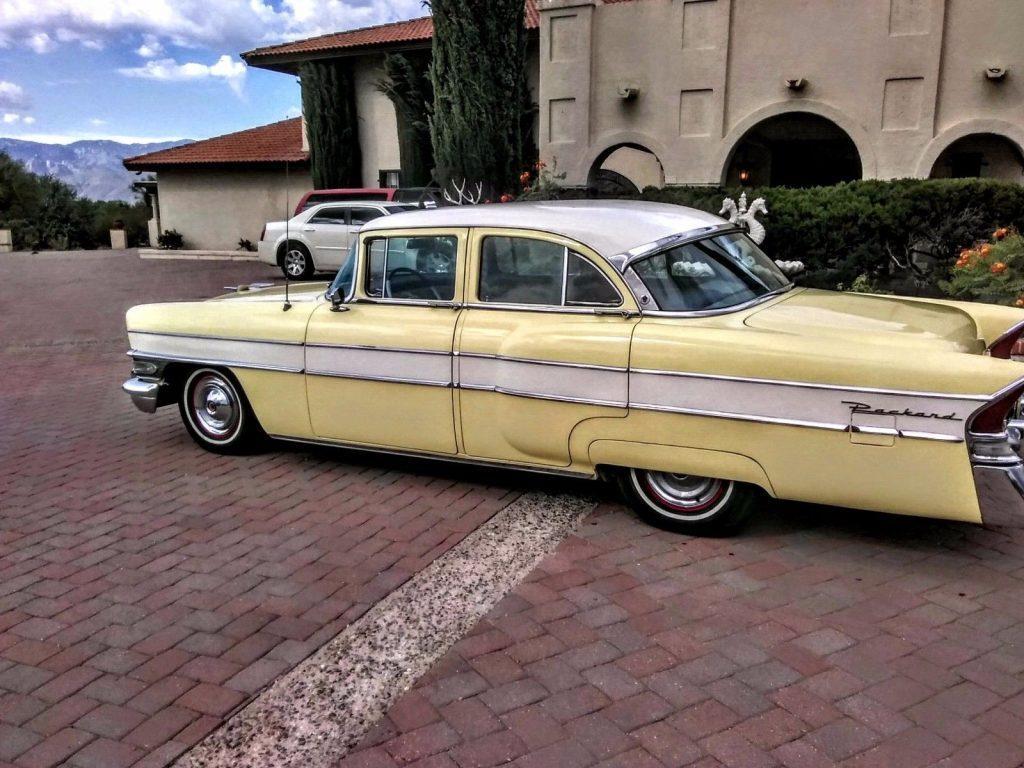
(420, 268)
(522, 270)
(328, 216)
(361, 216)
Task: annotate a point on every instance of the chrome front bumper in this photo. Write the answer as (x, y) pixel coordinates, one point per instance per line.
(145, 393)
(998, 478)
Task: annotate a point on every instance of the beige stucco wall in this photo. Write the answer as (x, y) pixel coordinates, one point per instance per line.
(378, 128)
(903, 78)
(214, 208)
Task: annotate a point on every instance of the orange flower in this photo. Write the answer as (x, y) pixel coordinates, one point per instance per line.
(965, 254)
(1019, 302)
(985, 249)
(998, 268)
(507, 198)
(524, 178)
(540, 164)
(1001, 233)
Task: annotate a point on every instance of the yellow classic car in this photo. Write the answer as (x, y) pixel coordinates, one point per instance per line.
(651, 344)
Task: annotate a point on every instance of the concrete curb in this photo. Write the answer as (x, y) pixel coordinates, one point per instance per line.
(313, 715)
(160, 253)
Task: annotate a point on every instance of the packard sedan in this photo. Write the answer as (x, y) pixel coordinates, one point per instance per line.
(650, 344)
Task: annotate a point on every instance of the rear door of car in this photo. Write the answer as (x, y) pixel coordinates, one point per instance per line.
(543, 345)
(327, 231)
(358, 215)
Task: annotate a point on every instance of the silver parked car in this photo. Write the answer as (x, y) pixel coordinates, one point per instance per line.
(319, 238)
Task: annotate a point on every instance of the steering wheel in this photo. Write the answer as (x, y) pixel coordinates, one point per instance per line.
(413, 272)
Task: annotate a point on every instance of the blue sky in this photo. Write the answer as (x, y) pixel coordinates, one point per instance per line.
(152, 70)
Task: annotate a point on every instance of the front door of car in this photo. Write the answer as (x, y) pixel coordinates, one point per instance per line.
(379, 373)
(327, 233)
(543, 346)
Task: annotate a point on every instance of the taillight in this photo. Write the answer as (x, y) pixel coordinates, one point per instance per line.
(1010, 344)
(992, 418)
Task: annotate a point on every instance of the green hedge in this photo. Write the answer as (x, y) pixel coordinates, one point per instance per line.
(858, 228)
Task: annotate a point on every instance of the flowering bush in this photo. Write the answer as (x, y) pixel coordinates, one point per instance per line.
(541, 183)
(991, 271)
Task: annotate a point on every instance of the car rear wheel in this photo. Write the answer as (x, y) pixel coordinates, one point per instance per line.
(702, 506)
(296, 263)
(217, 415)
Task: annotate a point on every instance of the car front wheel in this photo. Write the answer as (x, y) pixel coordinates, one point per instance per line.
(296, 263)
(217, 415)
(702, 506)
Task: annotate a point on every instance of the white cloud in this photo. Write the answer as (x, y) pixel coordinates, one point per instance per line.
(12, 96)
(41, 43)
(232, 24)
(150, 48)
(97, 122)
(13, 118)
(225, 68)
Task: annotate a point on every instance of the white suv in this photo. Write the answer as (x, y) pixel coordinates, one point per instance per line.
(319, 238)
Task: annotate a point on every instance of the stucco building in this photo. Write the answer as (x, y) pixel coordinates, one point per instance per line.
(632, 93)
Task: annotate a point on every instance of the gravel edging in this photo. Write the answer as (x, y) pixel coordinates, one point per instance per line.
(314, 714)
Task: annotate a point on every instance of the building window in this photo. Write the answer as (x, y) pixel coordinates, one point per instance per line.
(390, 179)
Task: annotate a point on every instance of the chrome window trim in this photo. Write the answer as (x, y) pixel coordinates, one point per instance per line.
(573, 310)
(365, 259)
(212, 361)
(181, 335)
(625, 260)
(815, 385)
(566, 251)
(721, 310)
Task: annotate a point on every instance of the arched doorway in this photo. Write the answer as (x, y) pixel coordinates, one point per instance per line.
(980, 155)
(795, 149)
(625, 169)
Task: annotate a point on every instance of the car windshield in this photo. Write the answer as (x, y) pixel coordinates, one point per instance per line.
(341, 286)
(714, 273)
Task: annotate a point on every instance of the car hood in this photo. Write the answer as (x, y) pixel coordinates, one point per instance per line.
(870, 319)
(296, 292)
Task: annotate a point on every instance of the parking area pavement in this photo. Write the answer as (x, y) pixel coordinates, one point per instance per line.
(147, 588)
(819, 637)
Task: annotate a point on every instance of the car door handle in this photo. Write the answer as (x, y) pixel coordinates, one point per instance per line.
(625, 314)
(444, 305)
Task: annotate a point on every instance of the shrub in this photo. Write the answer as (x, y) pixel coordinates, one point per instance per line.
(171, 239)
(992, 271)
(902, 234)
(245, 244)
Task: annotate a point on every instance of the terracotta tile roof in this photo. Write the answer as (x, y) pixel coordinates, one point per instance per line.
(274, 143)
(412, 31)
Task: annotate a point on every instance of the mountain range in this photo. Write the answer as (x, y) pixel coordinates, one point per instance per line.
(92, 168)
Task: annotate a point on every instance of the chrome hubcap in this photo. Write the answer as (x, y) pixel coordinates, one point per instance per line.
(685, 496)
(295, 262)
(215, 407)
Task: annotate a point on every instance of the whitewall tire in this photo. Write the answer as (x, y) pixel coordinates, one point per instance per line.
(702, 506)
(216, 413)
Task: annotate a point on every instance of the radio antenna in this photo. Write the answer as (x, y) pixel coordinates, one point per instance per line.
(287, 239)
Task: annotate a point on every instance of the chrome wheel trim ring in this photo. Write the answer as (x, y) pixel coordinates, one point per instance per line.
(295, 262)
(687, 498)
(213, 406)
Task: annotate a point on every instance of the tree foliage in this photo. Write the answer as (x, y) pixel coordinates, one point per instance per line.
(329, 104)
(407, 84)
(43, 212)
(478, 71)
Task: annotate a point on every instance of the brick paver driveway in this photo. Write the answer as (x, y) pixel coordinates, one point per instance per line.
(818, 637)
(147, 588)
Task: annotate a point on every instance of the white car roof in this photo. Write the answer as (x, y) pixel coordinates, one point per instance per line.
(358, 204)
(610, 227)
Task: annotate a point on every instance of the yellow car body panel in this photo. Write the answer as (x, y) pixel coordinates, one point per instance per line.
(845, 399)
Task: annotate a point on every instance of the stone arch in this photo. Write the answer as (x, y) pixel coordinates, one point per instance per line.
(1009, 132)
(854, 131)
(651, 168)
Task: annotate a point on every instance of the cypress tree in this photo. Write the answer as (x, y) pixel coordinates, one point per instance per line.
(478, 72)
(407, 83)
(329, 104)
